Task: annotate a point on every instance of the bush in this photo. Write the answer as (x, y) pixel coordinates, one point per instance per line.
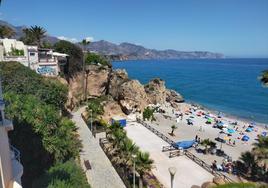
(148, 114)
(63, 175)
(92, 58)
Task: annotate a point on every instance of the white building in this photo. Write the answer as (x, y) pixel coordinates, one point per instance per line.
(11, 169)
(43, 61)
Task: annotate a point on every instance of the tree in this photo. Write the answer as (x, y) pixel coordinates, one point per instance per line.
(38, 33)
(75, 55)
(148, 114)
(92, 58)
(173, 127)
(208, 144)
(261, 149)
(143, 162)
(249, 162)
(6, 32)
(264, 77)
(63, 175)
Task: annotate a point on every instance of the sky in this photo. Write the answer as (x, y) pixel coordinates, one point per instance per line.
(236, 28)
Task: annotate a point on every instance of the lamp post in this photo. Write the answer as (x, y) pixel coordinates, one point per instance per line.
(91, 122)
(134, 170)
(172, 171)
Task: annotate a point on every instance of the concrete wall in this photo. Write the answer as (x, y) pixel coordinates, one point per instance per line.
(5, 158)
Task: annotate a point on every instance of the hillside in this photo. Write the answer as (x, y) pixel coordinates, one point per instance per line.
(129, 51)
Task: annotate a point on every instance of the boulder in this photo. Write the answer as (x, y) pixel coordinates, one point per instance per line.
(116, 79)
(111, 108)
(173, 98)
(132, 96)
(156, 91)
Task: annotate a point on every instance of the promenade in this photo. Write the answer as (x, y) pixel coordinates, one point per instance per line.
(102, 174)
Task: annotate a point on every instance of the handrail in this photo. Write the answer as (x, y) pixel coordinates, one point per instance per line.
(191, 156)
(16, 152)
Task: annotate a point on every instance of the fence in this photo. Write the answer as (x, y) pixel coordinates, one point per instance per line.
(191, 156)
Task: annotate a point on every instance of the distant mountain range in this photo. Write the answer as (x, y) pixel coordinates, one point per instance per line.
(128, 51)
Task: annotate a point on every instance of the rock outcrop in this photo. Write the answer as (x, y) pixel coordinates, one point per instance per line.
(156, 91)
(129, 94)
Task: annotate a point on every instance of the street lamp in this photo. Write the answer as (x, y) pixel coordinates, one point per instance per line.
(172, 171)
(134, 170)
(91, 121)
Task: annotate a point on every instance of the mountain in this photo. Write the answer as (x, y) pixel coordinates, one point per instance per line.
(128, 51)
(19, 32)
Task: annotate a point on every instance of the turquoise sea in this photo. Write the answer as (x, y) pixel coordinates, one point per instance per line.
(227, 85)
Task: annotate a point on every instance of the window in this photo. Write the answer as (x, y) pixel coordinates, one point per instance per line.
(32, 54)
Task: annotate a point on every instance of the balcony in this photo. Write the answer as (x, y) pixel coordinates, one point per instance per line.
(17, 168)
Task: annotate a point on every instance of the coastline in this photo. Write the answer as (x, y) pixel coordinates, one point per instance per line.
(226, 114)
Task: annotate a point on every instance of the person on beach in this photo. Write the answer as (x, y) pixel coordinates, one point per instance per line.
(234, 143)
(230, 141)
(196, 138)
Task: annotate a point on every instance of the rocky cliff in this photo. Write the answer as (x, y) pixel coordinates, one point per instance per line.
(124, 93)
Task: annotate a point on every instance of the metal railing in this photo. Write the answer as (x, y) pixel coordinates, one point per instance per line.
(16, 153)
(191, 156)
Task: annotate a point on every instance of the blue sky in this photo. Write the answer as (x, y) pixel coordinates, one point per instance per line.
(237, 28)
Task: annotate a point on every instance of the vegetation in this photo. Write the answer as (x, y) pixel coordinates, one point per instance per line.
(16, 52)
(241, 185)
(6, 32)
(122, 150)
(148, 114)
(92, 58)
(254, 163)
(75, 55)
(42, 135)
(34, 35)
(208, 144)
(63, 175)
(264, 77)
(95, 106)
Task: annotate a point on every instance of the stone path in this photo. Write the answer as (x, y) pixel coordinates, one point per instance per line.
(102, 173)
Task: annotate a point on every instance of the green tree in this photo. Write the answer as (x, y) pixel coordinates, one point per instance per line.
(63, 175)
(207, 143)
(92, 58)
(38, 33)
(148, 114)
(261, 149)
(249, 162)
(75, 55)
(143, 162)
(6, 32)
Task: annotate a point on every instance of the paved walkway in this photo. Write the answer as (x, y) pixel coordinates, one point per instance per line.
(188, 172)
(102, 174)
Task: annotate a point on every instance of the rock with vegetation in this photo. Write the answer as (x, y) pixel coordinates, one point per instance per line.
(117, 78)
(156, 91)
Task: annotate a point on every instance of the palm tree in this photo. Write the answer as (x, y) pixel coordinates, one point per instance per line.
(249, 162)
(173, 127)
(261, 149)
(6, 32)
(208, 144)
(37, 33)
(128, 148)
(264, 77)
(143, 163)
(84, 43)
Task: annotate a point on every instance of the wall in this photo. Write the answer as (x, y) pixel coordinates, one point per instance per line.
(5, 158)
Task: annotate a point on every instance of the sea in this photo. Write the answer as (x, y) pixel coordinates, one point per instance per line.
(231, 86)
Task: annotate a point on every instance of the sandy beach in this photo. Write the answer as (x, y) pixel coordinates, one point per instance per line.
(164, 121)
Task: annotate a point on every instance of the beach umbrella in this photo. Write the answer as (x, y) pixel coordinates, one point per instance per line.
(245, 138)
(231, 131)
(252, 124)
(226, 138)
(249, 129)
